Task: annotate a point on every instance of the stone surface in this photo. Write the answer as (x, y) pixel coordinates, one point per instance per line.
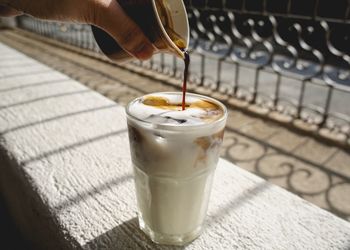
(340, 162)
(66, 171)
(238, 120)
(286, 140)
(261, 129)
(315, 151)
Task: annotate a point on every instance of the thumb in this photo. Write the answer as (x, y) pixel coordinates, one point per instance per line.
(112, 18)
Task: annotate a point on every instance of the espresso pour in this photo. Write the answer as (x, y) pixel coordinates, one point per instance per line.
(184, 84)
(165, 24)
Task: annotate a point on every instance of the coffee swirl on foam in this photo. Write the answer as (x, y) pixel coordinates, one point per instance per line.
(166, 109)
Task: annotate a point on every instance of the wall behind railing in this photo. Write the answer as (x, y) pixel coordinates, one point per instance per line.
(8, 22)
(286, 56)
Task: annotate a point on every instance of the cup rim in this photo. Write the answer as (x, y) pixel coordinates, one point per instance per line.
(168, 39)
(174, 127)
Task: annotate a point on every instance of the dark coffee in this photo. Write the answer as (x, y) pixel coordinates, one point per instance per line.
(181, 44)
(184, 85)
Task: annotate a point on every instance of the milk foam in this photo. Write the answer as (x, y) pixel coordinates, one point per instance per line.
(165, 109)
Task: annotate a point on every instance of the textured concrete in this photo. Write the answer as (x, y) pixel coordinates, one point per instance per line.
(66, 173)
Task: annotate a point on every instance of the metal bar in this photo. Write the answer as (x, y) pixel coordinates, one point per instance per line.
(327, 106)
(255, 87)
(316, 8)
(174, 66)
(277, 91)
(235, 83)
(162, 63)
(301, 98)
(289, 6)
(151, 63)
(347, 12)
(218, 74)
(202, 75)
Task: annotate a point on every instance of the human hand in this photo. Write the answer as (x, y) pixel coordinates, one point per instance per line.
(106, 14)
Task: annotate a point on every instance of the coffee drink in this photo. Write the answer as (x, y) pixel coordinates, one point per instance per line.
(174, 154)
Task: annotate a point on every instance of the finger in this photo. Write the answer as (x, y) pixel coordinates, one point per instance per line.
(8, 11)
(129, 36)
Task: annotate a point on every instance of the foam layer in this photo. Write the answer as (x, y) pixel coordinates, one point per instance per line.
(165, 109)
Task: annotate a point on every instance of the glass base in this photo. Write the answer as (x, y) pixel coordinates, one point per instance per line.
(166, 239)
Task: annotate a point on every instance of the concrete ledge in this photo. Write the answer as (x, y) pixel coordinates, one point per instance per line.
(8, 22)
(65, 171)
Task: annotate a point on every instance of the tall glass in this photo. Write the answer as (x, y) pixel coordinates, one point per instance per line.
(173, 168)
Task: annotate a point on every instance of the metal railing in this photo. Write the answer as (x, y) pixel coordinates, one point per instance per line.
(288, 56)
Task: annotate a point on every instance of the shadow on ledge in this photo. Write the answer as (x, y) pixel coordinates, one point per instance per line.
(11, 238)
(126, 236)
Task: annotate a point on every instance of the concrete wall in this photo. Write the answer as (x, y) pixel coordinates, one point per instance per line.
(8, 22)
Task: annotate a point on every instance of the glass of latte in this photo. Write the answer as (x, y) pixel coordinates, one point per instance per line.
(174, 154)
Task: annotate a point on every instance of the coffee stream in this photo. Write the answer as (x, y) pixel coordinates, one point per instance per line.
(184, 85)
(181, 44)
(178, 41)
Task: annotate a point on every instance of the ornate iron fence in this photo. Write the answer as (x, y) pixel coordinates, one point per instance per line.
(289, 56)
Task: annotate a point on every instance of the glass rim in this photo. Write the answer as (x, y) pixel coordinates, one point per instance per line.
(175, 127)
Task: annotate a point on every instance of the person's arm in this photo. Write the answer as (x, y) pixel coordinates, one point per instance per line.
(106, 14)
